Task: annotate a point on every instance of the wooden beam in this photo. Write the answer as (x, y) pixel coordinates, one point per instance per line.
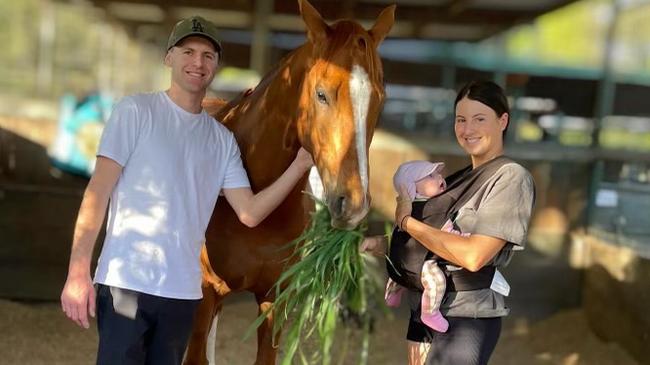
(443, 20)
(261, 36)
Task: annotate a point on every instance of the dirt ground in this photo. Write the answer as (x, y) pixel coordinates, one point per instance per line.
(38, 333)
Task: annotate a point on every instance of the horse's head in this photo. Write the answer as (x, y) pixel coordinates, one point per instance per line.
(341, 97)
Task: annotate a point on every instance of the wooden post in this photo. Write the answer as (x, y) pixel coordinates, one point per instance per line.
(104, 70)
(46, 48)
(607, 85)
(120, 61)
(260, 45)
(604, 107)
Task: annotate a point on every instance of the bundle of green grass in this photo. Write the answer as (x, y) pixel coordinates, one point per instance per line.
(326, 275)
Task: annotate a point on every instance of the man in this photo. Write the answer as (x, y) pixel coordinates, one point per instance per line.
(162, 161)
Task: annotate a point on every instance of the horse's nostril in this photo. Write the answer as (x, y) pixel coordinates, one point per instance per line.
(338, 206)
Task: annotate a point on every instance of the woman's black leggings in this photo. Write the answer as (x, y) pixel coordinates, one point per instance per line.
(469, 341)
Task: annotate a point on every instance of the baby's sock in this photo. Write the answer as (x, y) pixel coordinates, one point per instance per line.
(393, 296)
(435, 321)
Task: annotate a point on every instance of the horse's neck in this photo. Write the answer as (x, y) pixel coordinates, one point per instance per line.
(264, 120)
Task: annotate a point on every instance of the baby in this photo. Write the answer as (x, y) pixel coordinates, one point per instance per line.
(422, 180)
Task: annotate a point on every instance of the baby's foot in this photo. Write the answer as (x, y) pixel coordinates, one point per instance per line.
(393, 296)
(435, 321)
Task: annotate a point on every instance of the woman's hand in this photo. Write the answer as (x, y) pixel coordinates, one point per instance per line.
(403, 208)
(374, 245)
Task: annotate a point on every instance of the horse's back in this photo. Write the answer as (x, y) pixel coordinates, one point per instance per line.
(213, 105)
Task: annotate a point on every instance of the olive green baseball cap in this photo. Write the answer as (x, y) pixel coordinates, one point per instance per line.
(194, 26)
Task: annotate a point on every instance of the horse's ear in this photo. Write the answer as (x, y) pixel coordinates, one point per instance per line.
(316, 26)
(383, 24)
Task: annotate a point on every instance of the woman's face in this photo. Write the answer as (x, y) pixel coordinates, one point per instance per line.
(479, 130)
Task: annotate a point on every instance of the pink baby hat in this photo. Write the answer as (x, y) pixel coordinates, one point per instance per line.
(410, 172)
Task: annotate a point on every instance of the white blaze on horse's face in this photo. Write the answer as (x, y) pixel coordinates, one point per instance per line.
(341, 113)
(341, 101)
(360, 89)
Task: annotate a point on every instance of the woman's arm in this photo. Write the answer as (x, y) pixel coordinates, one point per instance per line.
(471, 252)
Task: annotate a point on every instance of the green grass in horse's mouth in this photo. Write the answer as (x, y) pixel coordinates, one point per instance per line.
(327, 274)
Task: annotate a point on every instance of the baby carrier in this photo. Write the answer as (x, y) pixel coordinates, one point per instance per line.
(406, 255)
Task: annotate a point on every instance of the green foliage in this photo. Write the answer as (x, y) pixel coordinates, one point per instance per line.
(625, 140)
(19, 26)
(575, 138)
(77, 48)
(19, 31)
(326, 273)
(575, 36)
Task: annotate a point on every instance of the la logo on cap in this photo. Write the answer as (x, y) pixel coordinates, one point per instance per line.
(196, 26)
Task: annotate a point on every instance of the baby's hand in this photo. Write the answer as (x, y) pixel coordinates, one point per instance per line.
(449, 227)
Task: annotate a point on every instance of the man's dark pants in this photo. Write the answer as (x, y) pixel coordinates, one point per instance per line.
(137, 328)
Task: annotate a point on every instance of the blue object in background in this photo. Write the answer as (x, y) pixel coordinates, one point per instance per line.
(80, 128)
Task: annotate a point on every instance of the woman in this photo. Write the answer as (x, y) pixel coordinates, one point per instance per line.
(489, 203)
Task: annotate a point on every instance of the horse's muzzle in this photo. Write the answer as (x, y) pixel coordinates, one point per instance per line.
(345, 215)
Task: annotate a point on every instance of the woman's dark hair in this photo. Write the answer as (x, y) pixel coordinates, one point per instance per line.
(488, 93)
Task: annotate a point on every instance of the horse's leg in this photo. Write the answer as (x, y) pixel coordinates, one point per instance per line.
(211, 343)
(201, 347)
(266, 343)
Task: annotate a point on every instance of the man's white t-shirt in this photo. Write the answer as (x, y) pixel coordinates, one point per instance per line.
(174, 165)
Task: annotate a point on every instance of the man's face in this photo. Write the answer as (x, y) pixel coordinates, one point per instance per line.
(193, 62)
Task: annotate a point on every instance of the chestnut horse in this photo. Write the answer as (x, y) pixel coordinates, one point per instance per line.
(326, 96)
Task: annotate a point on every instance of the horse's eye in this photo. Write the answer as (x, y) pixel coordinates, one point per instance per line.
(362, 43)
(321, 97)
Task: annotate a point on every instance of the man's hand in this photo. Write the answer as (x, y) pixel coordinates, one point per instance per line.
(304, 159)
(78, 299)
(374, 245)
(403, 208)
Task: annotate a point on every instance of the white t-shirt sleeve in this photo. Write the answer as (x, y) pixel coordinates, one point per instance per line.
(120, 134)
(236, 176)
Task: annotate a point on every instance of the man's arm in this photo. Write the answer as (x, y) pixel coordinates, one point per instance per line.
(78, 295)
(254, 208)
